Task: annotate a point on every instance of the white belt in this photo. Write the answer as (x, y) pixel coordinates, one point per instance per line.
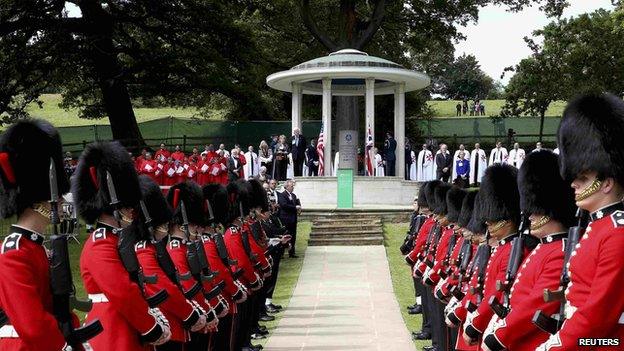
(98, 298)
(569, 310)
(7, 331)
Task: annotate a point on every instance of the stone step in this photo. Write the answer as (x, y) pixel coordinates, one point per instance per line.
(354, 233)
(348, 220)
(347, 241)
(346, 226)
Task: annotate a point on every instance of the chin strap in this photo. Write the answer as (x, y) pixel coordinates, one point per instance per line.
(589, 191)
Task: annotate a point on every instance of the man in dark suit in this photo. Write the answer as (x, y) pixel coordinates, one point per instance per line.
(289, 209)
(389, 155)
(312, 159)
(444, 162)
(235, 166)
(298, 149)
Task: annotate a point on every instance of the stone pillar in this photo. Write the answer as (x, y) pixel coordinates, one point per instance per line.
(399, 128)
(370, 112)
(327, 130)
(297, 102)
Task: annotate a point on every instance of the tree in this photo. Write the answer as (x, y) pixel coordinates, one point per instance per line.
(464, 79)
(182, 51)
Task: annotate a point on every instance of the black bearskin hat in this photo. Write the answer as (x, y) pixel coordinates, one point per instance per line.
(476, 224)
(499, 194)
(543, 191)
(454, 199)
(430, 193)
(25, 152)
(89, 184)
(467, 208)
(237, 197)
(217, 195)
(422, 196)
(157, 207)
(259, 196)
(590, 137)
(247, 199)
(191, 194)
(439, 195)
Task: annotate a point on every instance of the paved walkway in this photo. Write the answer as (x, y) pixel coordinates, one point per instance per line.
(343, 301)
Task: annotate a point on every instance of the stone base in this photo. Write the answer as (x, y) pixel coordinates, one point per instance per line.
(368, 192)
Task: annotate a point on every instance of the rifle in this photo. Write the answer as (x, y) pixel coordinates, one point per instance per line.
(408, 242)
(61, 284)
(553, 323)
(483, 261)
(125, 247)
(466, 255)
(195, 254)
(445, 262)
(515, 258)
(433, 246)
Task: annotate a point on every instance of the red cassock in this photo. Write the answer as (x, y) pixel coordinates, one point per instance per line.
(25, 295)
(477, 321)
(169, 174)
(177, 251)
(138, 163)
(223, 174)
(176, 307)
(216, 264)
(433, 275)
(243, 161)
(178, 156)
(125, 314)
(236, 250)
(595, 306)
(162, 155)
(420, 240)
(191, 172)
(181, 172)
(203, 168)
(540, 270)
(151, 169)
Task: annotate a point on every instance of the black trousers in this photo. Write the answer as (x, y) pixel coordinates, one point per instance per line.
(172, 346)
(420, 291)
(298, 167)
(439, 326)
(270, 283)
(433, 318)
(452, 333)
(242, 334)
(292, 230)
(312, 170)
(222, 339)
(198, 341)
(390, 168)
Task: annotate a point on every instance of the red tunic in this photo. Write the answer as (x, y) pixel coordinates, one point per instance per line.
(25, 294)
(420, 240)
(234, 244)
(540, 270)
(178, 156)
(433, 276)
(169, 177)
(176, 308)
(216, 264)
(162, 155)
(177, 251)
(126, 315)
(595, 300)
(443, 289)
(262, 264)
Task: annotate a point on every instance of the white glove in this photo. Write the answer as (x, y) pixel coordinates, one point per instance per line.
(226, 307)
(200, 324)
(164, 324)
(259, 282)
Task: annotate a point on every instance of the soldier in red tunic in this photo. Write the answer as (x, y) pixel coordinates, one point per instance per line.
(26, 149)
(501, 213)
(550, 202)
(591, 158)
(118, 302)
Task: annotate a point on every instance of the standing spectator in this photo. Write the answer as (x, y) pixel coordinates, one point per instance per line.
(312, 159)
(478, 160)
(169, 172)
(274, 141)
(424, 168)
(408, 158)
(465, 107)
(297, 150)
(482, 108)
(538, 146)
(252, 167)
(235, 167)
(69, 164)
(499, 154)
(289, 209)
(458, 109)
(243, 161)
(379, 163)
(444, 163)
(138, 162)
(162, 154)
(226, 153)
(456, 157)
(149, 167)
(462, 169)
(516, 156)
(181, 171)
(280, 163)
(195, 157)
(178, 155)
(389, 155)
(265, 154)
(203, 166)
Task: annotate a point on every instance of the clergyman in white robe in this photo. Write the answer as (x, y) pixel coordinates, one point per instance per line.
(379, 165)
(424, 164)
(413, 168)
(478, 164)
(498, 154)
(456, 157)
(516, 156)
(252, 167)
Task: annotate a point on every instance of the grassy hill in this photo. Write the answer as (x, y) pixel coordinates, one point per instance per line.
(446, 108)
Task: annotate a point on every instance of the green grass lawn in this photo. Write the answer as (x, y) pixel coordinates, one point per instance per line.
(446, 108)
(401, 276)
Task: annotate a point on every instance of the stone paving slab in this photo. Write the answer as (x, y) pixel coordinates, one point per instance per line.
(343, 301)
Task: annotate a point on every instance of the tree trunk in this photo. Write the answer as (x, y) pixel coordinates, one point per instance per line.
(541, 129)
(115, 95)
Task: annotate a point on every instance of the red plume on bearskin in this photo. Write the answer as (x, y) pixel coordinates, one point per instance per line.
(25, 152)
(454, 200)
(439, 195)
(543, 191)
(89, 187)
(191, 194)
(590, 137)
(155, 202)
(499, 194)
(218, 197)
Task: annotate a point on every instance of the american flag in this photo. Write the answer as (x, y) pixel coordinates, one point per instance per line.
(367, 153)
(320, 150)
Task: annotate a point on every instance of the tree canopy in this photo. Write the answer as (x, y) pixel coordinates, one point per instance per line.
(464, 79)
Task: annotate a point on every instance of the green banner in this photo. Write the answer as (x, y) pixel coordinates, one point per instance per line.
(345, 188)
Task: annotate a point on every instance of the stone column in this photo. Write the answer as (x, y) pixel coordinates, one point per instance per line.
(370, 112)
(297, 102)
(327, 131)
(399, 128)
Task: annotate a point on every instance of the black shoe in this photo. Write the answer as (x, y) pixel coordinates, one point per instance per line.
(270, 309)
(256, 336)
(415, 310)
(277, 307)
(421, 336)
(430, 348)
(293, 256)
(411, 307)
(262, 328)
(266, 318)
(259, 347)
